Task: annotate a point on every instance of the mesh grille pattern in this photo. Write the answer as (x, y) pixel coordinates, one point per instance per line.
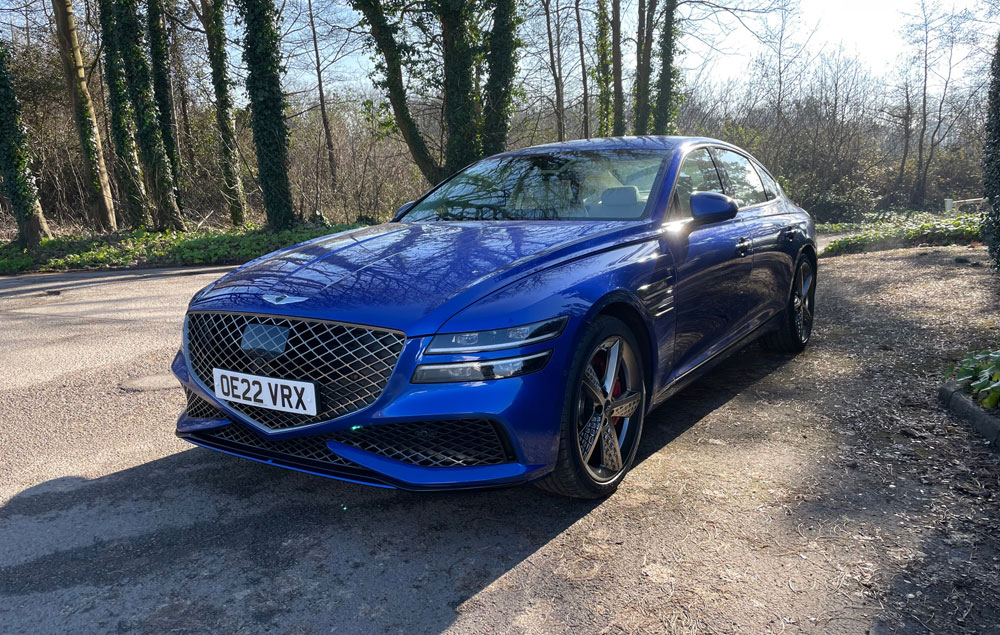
(198, 408)
(310, 448)
(464, 442)
(349, 364)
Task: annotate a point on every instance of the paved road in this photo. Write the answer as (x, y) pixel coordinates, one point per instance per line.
(747, 510)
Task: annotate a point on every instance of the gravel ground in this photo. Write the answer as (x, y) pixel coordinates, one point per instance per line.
(826, 493)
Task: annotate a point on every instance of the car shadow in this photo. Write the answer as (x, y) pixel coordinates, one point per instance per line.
(724, 382)
(198, 541)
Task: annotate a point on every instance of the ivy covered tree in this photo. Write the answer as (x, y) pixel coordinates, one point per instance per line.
(159, 57)
(262, 56)
(133, 199)
(15, 163)
(501, 58)
(102, 207)
(991, 162)
(665, 111)
(130, 40)
(212, 17)
(407, 38)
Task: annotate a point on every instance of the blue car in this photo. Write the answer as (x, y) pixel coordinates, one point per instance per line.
(515, 324)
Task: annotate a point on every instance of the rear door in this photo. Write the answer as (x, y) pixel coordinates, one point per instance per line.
(713, 267)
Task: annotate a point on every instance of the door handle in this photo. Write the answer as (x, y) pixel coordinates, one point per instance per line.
(743, 247)
(789, 233)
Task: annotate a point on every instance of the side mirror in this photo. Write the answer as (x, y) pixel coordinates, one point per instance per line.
(712, 207)
(402, 210)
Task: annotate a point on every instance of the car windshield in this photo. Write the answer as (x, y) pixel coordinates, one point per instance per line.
(604, 184)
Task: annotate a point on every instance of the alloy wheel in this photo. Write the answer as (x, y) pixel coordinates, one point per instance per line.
(610, 397)
(803, 300)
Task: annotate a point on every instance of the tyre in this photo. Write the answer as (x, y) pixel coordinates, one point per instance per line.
(794, 324)
(603, 412)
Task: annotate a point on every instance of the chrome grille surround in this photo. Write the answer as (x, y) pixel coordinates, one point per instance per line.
(350, 364)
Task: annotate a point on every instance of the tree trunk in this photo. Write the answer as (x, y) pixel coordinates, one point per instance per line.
(501, 60)
(643, 69)
(603, 71)
(331, 156)
(99, 187)
(159, 55)
(991, 162)
(461, 123)
(262, 55)
(183, 101)
(15, 163)
(583, 72)
(556, 69)
(384, 34)
(212, 17)
(917, 194)
(156, 165)
(618, 125)
(132, 191)
(665, 98)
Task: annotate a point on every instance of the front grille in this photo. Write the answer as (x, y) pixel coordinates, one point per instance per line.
(237, 437)
(457, 443)
(350, 365)
(198, 408)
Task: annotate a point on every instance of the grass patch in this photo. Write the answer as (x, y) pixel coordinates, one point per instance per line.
(142, 248)
(937, 230)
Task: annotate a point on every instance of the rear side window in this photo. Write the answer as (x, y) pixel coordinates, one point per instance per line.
(697, 174)
(770, 187)
(744, 185)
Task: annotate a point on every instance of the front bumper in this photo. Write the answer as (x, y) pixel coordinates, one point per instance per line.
(526, 411)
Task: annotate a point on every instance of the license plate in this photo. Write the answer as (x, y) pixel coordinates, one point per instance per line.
(285, 395)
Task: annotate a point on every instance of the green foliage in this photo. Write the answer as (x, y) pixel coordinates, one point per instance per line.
(262, 56)
(15, 160)
(141, 248)
(979, 374)
(880, 221)
(991, 162)
(939, 231)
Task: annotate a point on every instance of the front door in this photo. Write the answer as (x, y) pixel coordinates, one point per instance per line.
(713, 265)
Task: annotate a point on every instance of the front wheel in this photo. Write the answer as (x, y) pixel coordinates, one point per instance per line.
(603, 412)
(794, 324)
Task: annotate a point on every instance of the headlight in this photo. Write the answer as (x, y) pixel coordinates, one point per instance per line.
(481, 370)
(497, 339)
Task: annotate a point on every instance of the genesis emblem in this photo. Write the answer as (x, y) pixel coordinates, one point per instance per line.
(283, 299)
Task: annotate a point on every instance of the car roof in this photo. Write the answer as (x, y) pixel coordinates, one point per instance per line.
(651, 142)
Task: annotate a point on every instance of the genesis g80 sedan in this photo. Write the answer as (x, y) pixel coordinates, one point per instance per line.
(515, 324)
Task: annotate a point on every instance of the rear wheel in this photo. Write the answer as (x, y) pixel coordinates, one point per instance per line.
(603, 412)
(795, 323)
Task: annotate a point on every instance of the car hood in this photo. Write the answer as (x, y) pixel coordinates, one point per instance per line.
(410, 277)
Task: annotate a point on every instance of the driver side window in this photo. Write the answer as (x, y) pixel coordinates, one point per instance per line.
(697, 174)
